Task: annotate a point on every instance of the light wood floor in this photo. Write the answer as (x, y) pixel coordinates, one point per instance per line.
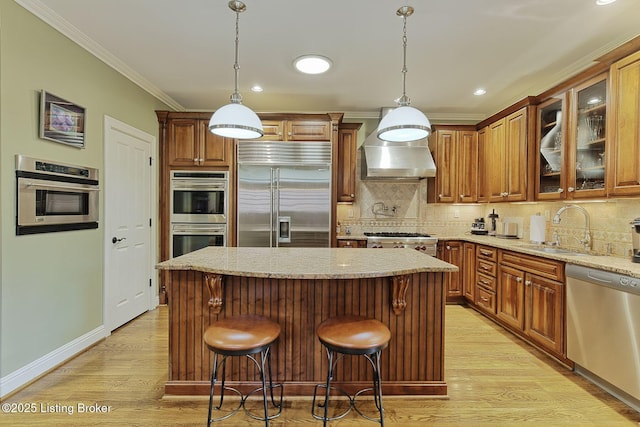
(494, 380)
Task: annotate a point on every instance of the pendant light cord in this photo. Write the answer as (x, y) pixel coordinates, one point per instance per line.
(404, 12)
(236, 98)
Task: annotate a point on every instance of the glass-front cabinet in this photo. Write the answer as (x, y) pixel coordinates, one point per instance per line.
(588, 137)
(571, 143)
(551, 148)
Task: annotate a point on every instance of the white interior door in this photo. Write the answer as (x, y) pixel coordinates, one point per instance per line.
(128, 199)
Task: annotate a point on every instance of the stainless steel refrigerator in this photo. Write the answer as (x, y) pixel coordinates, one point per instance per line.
(284, 194)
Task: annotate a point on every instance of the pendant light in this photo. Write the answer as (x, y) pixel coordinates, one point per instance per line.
(404, 123)
(235, 120)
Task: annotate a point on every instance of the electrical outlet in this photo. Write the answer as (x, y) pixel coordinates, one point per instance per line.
(547, 214)
(350, 213)
(456, 213)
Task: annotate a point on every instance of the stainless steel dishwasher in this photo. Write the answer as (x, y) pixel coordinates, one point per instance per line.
(603, 330)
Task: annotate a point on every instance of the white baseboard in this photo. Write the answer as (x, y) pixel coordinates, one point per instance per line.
(33, 370)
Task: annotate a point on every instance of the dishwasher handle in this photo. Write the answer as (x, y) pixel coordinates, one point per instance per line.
(603, 278)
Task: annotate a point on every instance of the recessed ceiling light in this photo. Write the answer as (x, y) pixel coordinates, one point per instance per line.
(604, 2)
(256, 88)
(479, 92)
(312, 64)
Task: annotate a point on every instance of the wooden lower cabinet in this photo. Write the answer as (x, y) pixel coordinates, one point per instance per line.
(355, 243)
(511, 297)
(530, 299)
(469, 271)
(485, 279)
(544, 324)
(451, 251)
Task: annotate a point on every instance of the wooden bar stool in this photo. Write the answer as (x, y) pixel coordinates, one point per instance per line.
(352, 335)
(244, 335)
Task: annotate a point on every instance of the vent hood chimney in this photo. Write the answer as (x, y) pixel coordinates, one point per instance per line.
(396, 160)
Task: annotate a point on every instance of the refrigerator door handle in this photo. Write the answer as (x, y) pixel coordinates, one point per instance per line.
(277, 208)
(271, 203)
(284, 229)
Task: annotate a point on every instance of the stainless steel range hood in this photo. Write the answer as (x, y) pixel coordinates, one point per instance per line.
(396, 160)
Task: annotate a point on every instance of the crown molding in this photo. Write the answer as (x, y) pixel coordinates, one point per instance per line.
(39, 9)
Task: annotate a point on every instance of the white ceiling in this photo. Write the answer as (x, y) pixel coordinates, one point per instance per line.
(182, 50)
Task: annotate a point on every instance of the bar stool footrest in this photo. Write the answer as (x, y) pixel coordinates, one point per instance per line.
(362, 414)
(273, 403)
(337, 417)
(233, 412)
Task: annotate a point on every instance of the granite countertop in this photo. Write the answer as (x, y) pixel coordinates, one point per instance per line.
(613, 264)
(307, 263)
(607, 263)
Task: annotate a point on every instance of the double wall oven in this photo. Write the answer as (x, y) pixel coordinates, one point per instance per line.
(199, 206)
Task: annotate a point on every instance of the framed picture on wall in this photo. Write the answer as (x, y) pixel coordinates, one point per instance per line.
(61, 121)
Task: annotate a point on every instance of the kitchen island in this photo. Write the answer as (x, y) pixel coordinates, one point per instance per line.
(299, 288)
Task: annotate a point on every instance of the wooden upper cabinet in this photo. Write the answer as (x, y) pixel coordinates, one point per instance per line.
(483, 166)
(623, 151)
(467, 166)
(192, 144)
(446, 159)
(495, 161)
(296, 130)
(456, 157)
(347, 151)
(507, 158)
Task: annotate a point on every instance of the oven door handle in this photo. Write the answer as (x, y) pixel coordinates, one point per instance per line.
(184, 185)
(61, 187)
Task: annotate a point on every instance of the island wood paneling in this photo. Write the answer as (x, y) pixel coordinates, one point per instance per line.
(413, 364)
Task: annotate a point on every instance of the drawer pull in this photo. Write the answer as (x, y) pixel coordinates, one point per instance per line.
(483, 299)
(484, 282)
(485, 253)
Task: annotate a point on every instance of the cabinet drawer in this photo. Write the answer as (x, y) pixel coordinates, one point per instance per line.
(537, 265)
(486, 252)
(486, 267)
(486, 282)
(352, 243)
(485, 300)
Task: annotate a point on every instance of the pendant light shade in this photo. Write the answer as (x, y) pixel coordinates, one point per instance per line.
(405, 123)
(235, 120)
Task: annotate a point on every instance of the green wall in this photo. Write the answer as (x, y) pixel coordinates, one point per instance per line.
(51, 285)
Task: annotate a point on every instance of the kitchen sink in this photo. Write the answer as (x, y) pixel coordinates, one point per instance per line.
(553, 250)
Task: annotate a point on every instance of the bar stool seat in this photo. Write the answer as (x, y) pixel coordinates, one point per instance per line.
(244, 335)
(352, 335)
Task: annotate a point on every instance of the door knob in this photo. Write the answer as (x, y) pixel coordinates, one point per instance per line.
(116, 240)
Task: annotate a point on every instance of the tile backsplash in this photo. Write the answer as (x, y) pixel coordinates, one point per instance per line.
(610, 218)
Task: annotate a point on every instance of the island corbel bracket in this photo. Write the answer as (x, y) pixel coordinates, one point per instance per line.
(214, 283)
(400, 284)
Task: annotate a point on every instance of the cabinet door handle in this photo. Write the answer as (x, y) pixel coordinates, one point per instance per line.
(439, 196)
(570, 189)
(518, 279)
(448, 247)
(528, 282)
(560, 190)
(461, 196)
(505, 194)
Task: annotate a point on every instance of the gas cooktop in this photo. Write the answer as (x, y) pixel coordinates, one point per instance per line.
(394, 234)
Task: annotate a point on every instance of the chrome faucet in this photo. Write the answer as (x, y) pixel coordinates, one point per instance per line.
(586, 241)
